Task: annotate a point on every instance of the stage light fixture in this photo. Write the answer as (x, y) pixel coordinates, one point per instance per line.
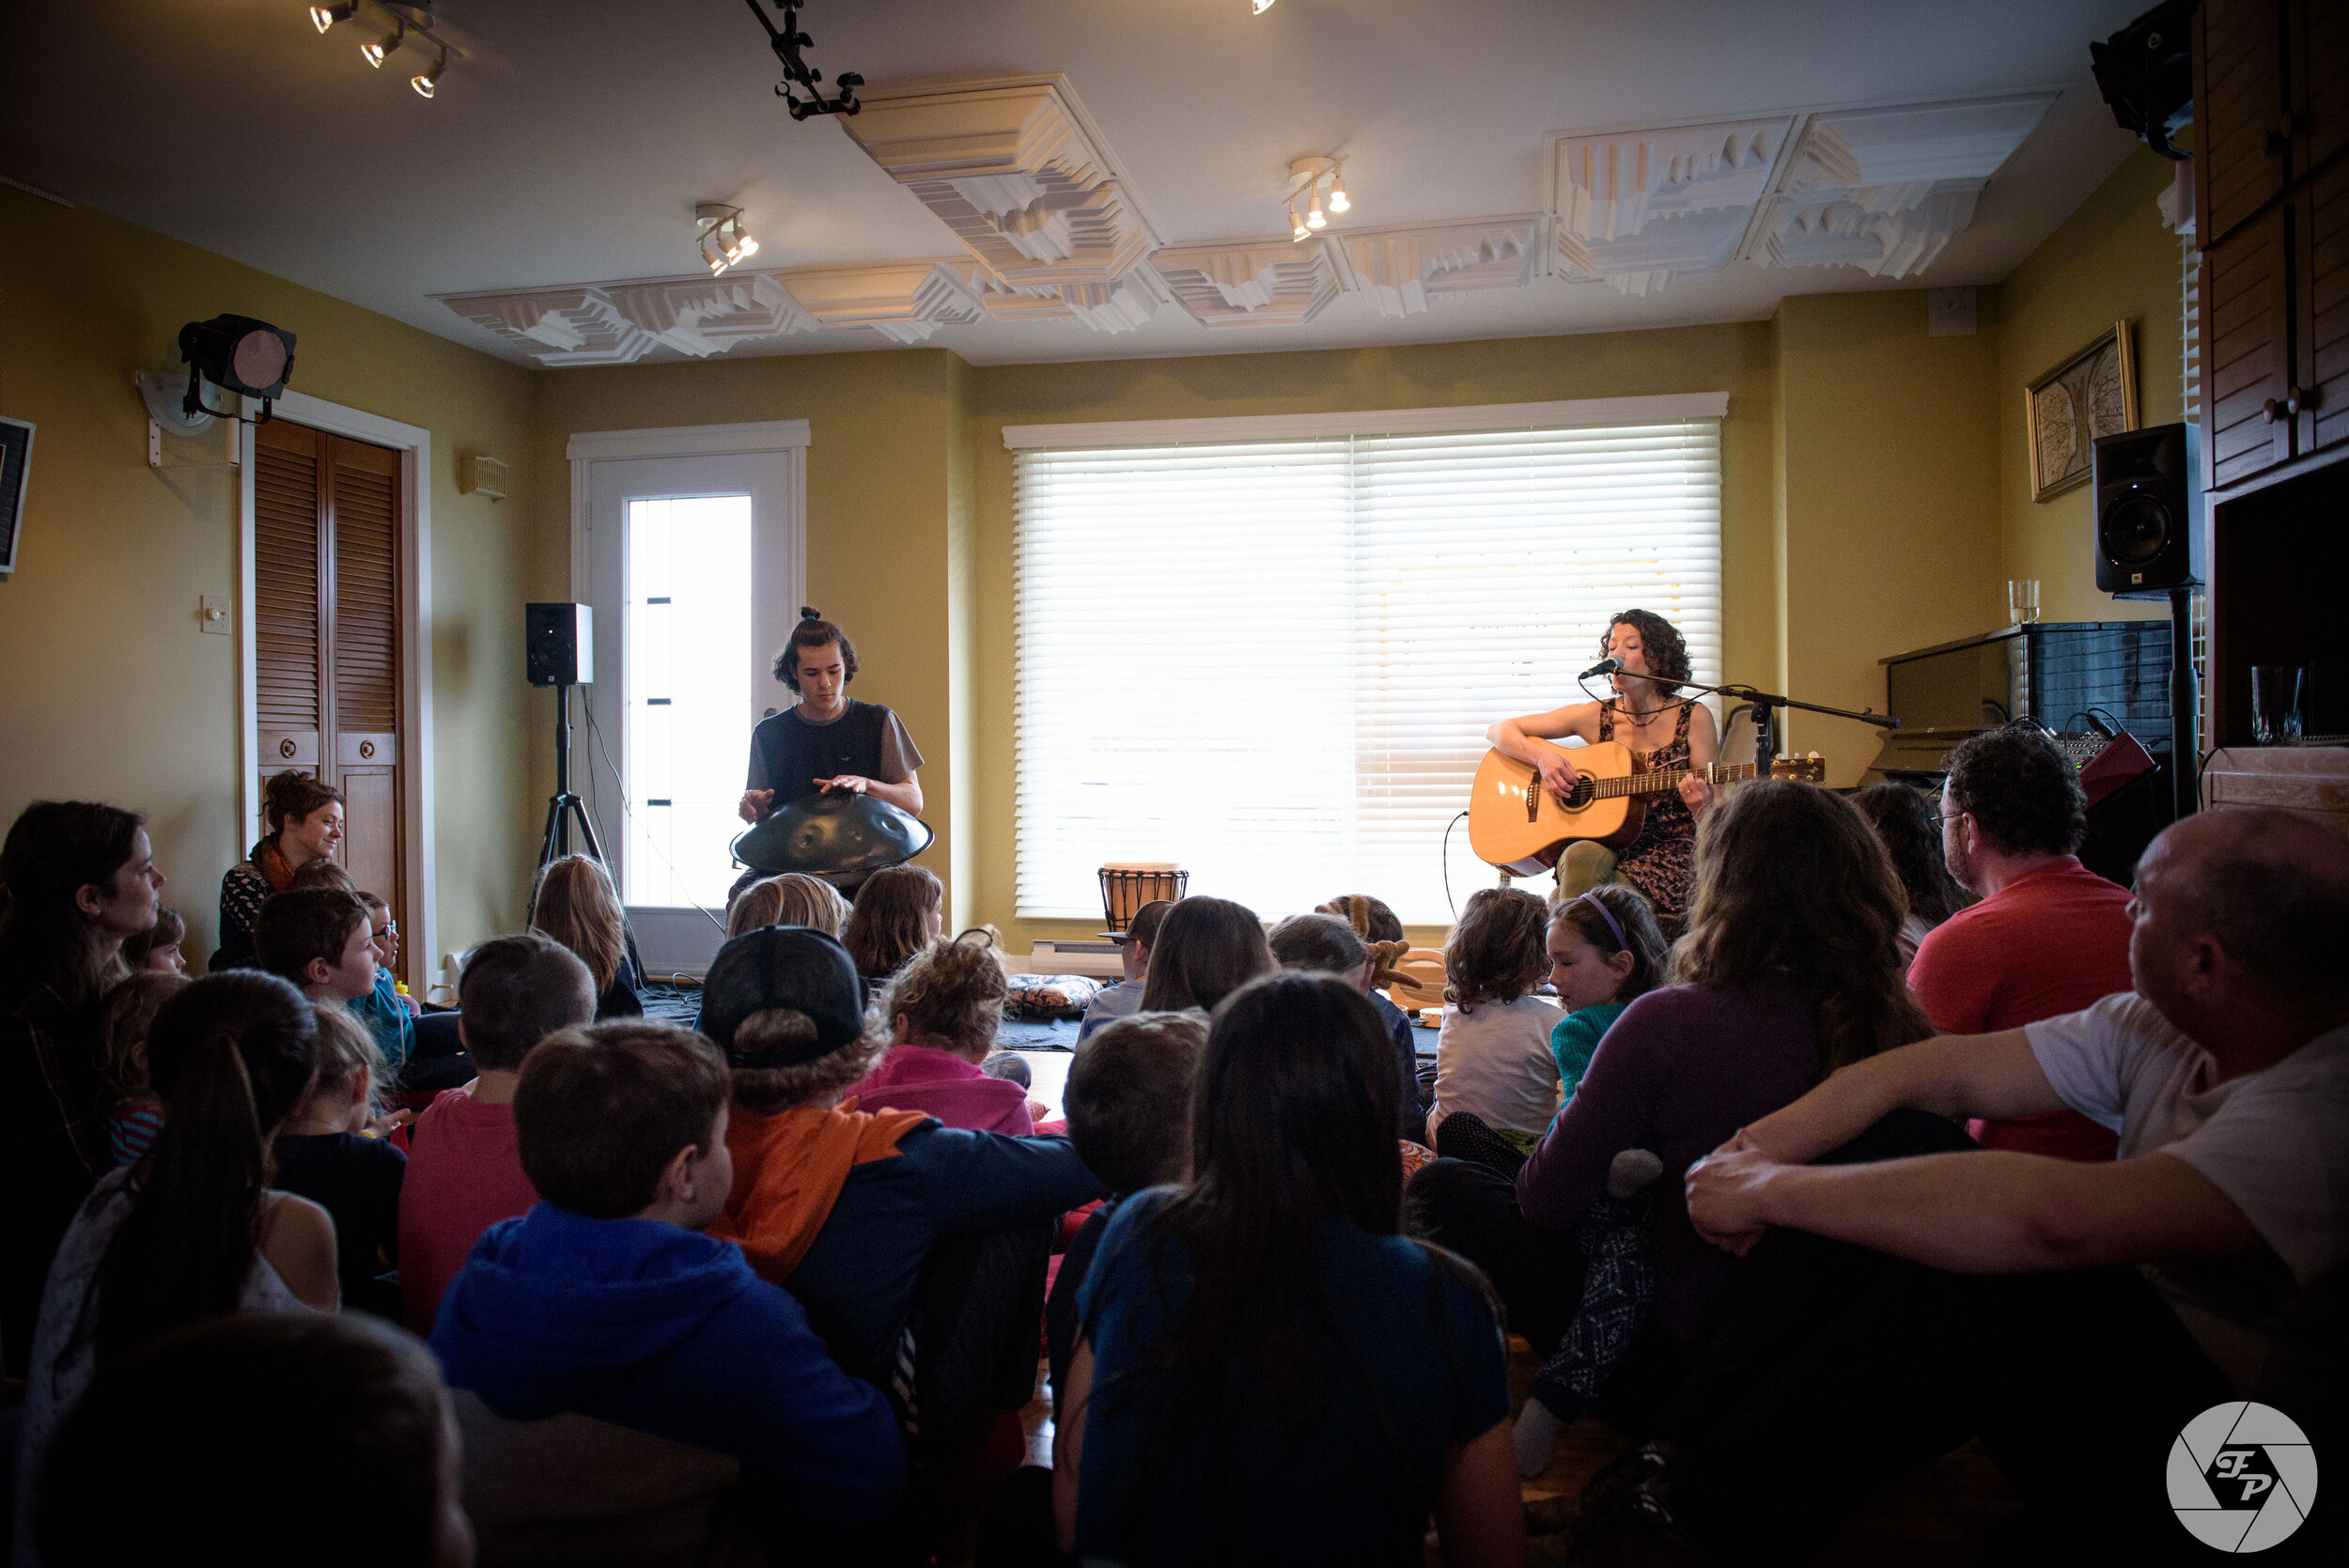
(721, 236)
(1337, 195)
(425, 82)
(235, 353)
(373, 53)
(1314, 218)
(323, 17)
(1309, 175)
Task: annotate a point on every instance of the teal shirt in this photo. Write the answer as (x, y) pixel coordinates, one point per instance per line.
(1575, 1036)
(387, 1017)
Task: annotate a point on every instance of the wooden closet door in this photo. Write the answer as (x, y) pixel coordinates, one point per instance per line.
(326, 629)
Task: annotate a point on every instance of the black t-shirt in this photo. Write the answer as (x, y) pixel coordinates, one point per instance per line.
(356, 1179)
(792, 754)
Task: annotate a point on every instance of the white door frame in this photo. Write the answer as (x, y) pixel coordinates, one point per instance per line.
(786, 438)
(420, 882)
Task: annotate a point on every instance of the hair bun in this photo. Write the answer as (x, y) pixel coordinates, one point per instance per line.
(809, 613)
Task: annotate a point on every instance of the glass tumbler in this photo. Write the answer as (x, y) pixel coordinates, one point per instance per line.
(2276, 691)
(2022, 600)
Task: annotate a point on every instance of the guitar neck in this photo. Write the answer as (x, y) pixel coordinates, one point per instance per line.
(1668, 779)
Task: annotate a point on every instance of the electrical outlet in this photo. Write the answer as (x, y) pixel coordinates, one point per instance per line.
(212, 613)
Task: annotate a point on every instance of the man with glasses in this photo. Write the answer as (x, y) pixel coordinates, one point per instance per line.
(2050, 937)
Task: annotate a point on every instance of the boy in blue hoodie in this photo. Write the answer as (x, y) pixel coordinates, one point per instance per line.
(607, 1300)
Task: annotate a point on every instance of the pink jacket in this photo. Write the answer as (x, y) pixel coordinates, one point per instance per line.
(942, 1084)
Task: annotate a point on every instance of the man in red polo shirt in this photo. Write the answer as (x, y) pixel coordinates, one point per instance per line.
(2050, 937)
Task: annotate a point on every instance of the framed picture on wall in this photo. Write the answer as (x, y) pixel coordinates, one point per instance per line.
(16, 461)
(2091, 394)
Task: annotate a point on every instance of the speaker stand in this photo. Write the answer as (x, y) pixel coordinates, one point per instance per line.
(2184, 761)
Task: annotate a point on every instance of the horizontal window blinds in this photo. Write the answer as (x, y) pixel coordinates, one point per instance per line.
(1273, 661)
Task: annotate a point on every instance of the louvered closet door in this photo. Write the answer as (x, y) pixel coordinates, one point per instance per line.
(326, 534)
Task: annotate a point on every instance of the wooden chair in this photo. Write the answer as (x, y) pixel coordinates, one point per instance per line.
(1424, 980)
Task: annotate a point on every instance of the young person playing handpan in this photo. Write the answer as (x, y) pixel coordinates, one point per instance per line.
(828, 741)
(1662, 729)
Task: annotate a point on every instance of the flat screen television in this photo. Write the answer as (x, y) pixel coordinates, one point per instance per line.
(16, 455)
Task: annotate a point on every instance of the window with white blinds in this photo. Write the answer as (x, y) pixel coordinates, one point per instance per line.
(1272, 661)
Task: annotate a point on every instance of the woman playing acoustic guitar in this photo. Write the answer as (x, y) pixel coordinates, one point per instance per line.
(1662, 730)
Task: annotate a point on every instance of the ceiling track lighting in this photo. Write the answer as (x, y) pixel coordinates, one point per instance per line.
(400, 18)
(1257, 7)
(1313, 176)
(721, 236)
(786, 42)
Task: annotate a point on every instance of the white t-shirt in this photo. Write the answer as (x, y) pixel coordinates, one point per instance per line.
(1494, 1063)
(2276, 1142)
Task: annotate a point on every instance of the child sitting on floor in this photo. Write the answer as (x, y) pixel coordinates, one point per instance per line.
(464, 1171)
(945, 1010)
(577, 906)
(326, 1154)
(608, 1299)
(128, 1014)
(1605, 952)
(158, 947)
(1494, 1072)
(1128, 1106)
(318, 939)
(898, 911)
(1123, 1000)
(793, 898)
(382, 1008)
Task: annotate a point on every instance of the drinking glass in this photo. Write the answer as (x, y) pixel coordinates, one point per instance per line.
(2022, 600)
(2276, 703)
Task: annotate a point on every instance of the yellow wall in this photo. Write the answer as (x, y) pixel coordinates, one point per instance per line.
(2112, 260)
(882, 430)
(112, 692)
(1887, 462)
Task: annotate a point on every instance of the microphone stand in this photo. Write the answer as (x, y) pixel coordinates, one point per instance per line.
(1765, 705)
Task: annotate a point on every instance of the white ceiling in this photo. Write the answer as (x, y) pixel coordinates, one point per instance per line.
(572, 143)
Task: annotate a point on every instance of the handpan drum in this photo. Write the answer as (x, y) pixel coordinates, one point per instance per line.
(832, 836)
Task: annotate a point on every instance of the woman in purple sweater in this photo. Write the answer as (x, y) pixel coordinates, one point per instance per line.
(1790, 969)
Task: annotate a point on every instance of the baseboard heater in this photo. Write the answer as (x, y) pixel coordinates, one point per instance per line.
(1099, 959)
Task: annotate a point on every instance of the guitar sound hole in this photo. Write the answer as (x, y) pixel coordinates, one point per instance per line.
(1580, 795)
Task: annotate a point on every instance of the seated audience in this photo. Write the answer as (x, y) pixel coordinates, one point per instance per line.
(304, 821)
(2050, 936)
(1908, 826)
(80, 880)
(576, 905)
(790, 899)
(1128, 1105)
(1207, 948)
(124, 1023)
(944, 1011)
(1789, 968)
(842, 1206)
(266, 1439)
(1124, 999)
(190, 1231)
(1605, 952)
(326, 1154)
(1326, 943)
(158, 946)
(608, 1299)
(319, 940)
(1992, 1293)
(1268, 1371)
(464, 1173)
(898, 911)
(1493, 1064)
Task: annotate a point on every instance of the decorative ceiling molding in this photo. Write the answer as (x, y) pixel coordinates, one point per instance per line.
(1880, 188)
(1402, 267)
(1251, 282)
(1018, 171)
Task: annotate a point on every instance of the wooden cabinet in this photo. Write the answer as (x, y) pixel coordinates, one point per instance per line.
(2272, 193)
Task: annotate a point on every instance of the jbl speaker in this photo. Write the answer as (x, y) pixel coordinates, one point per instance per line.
(560, 649)
(2149, 527)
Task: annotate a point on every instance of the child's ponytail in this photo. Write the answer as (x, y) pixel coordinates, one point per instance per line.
(230, 1056)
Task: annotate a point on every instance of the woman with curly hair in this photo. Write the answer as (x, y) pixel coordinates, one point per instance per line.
(1790, 969)
(1662, 730)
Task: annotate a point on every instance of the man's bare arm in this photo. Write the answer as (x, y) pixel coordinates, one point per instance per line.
(1950, 1075)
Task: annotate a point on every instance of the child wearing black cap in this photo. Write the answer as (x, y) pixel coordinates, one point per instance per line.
(842, 1206)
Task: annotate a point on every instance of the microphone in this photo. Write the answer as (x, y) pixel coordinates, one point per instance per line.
(1604, 667)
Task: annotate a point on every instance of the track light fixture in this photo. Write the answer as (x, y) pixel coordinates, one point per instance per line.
(722, 239)
(1311, 174)
(1257, 7)
(399, 18)
(786, 42)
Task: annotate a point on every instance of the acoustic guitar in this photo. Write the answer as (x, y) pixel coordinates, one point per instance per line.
(1516, 823)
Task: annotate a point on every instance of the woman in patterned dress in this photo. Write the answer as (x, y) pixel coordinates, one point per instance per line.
(1662, 730)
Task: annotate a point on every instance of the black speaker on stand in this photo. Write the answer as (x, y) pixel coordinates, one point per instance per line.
(2151, 543)
(559, 650)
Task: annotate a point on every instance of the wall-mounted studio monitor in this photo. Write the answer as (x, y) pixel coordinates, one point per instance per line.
(2149, 529)
(560, 645)
(16, 463)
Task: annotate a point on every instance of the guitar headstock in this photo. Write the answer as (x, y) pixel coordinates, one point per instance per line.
(1802, 769)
